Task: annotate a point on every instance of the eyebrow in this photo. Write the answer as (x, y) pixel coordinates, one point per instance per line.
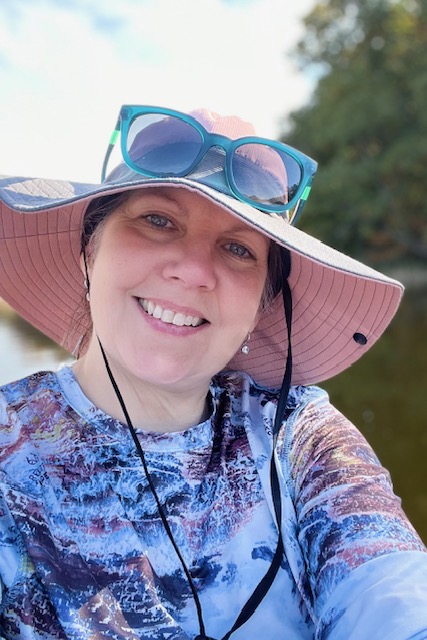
(160, 195)
(244, 227)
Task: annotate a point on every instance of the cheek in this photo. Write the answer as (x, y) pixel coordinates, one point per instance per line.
(112, 262)
(244, 299)
(107, 280)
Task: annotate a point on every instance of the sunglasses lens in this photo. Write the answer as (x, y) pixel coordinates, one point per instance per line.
(266, 175)
(162, 145)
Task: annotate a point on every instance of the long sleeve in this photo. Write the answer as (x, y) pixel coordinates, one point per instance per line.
(366, 567)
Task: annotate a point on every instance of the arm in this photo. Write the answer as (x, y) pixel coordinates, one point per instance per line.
(366, 566)
(11, 560)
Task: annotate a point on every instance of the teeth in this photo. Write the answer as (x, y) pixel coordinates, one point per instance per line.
(179, 319)
(166, 316)
(157, 312)
(170, 317)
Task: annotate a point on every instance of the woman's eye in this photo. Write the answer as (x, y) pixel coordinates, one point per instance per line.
(157, 220)
(239, 250)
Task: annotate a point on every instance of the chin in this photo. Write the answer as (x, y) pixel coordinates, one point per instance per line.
(163, 373)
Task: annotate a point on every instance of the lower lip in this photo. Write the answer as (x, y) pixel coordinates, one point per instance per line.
(168, 327)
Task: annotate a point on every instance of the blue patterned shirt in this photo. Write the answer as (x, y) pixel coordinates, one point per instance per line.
(84, 554)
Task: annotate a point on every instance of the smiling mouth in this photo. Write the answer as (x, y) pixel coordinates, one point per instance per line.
(168, 316)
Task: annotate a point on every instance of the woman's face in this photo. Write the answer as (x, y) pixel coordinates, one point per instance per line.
(176, 284)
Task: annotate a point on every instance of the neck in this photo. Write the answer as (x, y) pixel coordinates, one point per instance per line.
(150, 407)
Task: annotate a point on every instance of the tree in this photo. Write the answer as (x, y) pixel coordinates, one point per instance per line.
(367, 127)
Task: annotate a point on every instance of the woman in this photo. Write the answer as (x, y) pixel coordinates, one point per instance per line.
(182, 478)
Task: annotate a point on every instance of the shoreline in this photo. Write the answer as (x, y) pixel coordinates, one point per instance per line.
(410, 277)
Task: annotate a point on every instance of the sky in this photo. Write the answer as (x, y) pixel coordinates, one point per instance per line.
(66, 67)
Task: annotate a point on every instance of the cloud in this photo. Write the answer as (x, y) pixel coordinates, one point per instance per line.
(68, 65)
(239, 2)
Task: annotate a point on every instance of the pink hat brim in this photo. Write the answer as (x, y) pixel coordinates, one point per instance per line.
(335, 298)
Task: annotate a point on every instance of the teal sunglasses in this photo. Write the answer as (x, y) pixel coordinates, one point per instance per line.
(163, 143)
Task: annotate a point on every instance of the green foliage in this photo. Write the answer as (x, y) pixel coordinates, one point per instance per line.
(367, 127)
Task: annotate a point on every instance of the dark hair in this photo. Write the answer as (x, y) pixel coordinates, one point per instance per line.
(101, 208)
(98, 211)
(273, 285)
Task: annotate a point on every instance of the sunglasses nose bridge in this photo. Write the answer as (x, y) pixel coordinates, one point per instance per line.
(218, 140)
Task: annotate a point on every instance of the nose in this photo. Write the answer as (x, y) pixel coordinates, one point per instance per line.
(193, 265)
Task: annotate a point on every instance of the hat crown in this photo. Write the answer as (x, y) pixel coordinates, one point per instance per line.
(232, 127)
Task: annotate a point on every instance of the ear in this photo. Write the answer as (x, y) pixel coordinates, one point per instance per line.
(82, 264)
(85, 269)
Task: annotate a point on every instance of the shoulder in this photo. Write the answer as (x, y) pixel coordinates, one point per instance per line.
(25, 388)
(317, 431)
(259, 403)
(239, 384)
(23, 402)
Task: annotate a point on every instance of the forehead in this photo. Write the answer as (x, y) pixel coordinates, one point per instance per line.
(187, 203)
(175, 196)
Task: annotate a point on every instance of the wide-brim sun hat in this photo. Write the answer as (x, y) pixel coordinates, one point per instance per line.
(340, 307)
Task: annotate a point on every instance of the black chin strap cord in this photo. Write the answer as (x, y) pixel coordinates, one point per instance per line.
(154, 492)
(262, 588)
(264, 585)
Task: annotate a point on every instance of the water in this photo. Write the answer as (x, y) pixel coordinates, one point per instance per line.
(385, 394)
(24, 350)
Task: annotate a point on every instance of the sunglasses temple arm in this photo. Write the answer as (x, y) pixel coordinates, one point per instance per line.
(301, 202)
(113, 140)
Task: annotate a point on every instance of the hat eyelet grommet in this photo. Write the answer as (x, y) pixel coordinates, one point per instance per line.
(360, 338)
